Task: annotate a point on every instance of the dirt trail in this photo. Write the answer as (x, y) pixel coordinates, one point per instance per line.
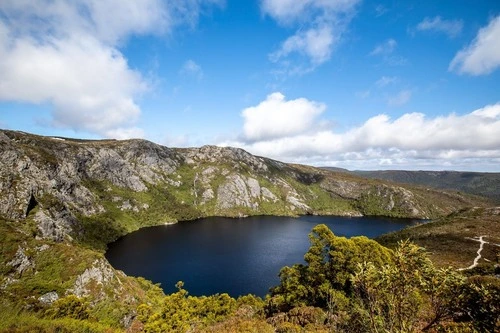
(476, 259)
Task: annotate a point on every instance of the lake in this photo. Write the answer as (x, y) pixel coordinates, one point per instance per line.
(234, 256)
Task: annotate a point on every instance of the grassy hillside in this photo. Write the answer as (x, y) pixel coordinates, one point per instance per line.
(454, 239)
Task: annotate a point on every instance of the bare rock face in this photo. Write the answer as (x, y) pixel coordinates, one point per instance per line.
(55, 225)
(21, 262)
(344, 188)
(253, 187)
(105, 164)
(214, 154)
(48, 298)
(268, 195)
(99, 276)
(33, 168)
(234, 192)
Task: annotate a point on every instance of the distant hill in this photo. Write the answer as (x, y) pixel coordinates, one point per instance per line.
(478, 183)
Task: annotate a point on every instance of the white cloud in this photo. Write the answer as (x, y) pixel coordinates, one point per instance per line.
(190, 67)
(285, 11)
(321, 24)
(400, 99)
(316, 43)
(89, 84)
(410, 140)
(384, 48)
(107, 20)
(289, 11)
(482, 56)
(276, 117)
(66, 53)
(385, 81)
(451, 28)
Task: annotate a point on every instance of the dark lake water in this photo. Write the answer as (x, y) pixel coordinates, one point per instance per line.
(236, 256)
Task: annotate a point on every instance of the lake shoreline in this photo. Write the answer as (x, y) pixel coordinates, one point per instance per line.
(208, 253)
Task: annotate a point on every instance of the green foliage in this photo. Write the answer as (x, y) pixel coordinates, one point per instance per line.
(15, 321)
(70, 307)
(330, 262)
(180, 312)
(479, 302)
(356, 285)
(239, 325)
(407, 294)
(376, 201)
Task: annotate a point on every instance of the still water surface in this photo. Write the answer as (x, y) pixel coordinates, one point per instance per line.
(237, 256)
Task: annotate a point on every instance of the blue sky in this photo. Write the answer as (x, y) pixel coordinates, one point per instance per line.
(347, 83)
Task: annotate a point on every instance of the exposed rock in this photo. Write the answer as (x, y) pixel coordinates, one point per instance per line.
(107, 164)
(21, 262)
(207, 195)
(126, 205)
(42, 248)
(127, 319)
(254, 187)
(209, 172)
(56, 225)
(100, 274)
(214, 154)
(266, 194)
(297, 202)
(233, 193)
(48, 298)
(343, 188)
(175, 183)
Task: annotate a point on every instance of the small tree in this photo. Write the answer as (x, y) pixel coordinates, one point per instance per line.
(407, 295)
(331, 261)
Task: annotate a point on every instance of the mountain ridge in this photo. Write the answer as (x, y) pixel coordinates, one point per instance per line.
(478, 183)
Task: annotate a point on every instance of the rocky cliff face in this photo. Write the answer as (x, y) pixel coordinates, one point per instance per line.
(65, 180)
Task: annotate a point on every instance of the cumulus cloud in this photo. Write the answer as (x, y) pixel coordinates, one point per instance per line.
(275, 117)
(321, 25)
(89, 84)
(66, 53)
(451, 28)
(412, 139)
(482, 56)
